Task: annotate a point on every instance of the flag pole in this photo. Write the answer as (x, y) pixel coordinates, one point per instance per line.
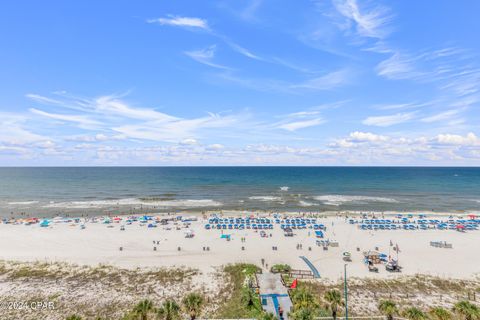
(345, 291)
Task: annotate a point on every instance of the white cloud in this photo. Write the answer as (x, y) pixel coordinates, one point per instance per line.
(42, 99)
(370, 22)
(179, 21)
(111, 106)
(326, 82)
(296, 125)
(215, 146)
(14, 131)
(364, 148)
(189, 141)
(397, 67)
(12, 149)
(386, 121)
(446, 115)
(464, 82)
(205, 56)
(453, 139)
(47, 144)
(83, 121)
(247, 53)
(359, 136)
(118, 120)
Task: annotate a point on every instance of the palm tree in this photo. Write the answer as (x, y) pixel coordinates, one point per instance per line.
(413, 313)
(302, 314)
(268, 316)
(334, 300)
(248, 298)
(303, 298)
(169, 310)
(143, 309)
(439, 313)
(467, 310)
(193, 304)
(388, 308)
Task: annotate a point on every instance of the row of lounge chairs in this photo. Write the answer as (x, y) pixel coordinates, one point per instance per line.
(297, 221)
(238, 226)
(302, 226)
(441, 244)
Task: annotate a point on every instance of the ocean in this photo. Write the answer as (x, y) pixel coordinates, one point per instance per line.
(99, 190)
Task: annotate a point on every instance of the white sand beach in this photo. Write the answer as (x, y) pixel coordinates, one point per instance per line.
(100, 243)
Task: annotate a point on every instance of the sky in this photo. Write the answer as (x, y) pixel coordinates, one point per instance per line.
(251, 82)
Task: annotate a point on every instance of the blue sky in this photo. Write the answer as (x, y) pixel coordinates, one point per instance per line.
(259, 82)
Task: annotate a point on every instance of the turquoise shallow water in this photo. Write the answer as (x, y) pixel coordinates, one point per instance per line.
(123, 189)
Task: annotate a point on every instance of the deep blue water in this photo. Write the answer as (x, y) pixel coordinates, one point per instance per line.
(97, 189)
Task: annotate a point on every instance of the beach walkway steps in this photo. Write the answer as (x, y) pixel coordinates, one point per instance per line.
(315, 272)
(274, 294)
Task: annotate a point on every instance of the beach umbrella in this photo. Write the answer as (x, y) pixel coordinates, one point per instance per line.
(460, 227)
(472, 216)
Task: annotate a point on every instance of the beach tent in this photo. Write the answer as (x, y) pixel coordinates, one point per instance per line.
(319, 234)
(45, 223)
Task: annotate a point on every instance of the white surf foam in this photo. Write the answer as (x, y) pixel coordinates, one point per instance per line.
(187, 203)
(305, 203)
(337, 199)
(22, 203)
(284, 188)
(265, 198)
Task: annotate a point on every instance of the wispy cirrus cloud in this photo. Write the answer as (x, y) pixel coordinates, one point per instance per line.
(296, 125)
(199, 23)
(442, 116)
(205, 56)
(179, 21)
(328, 81)
(389, 120)
(113, 116)
(82, 120)
(372, 22)
(243, 51)
(15, 132)
(398, 67)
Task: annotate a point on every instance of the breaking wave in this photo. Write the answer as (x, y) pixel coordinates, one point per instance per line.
(21, 203)
(265, 198)
(305, 203)
(337, 200)
(187, 203)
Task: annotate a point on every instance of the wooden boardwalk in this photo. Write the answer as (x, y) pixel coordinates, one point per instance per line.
(274, 293)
